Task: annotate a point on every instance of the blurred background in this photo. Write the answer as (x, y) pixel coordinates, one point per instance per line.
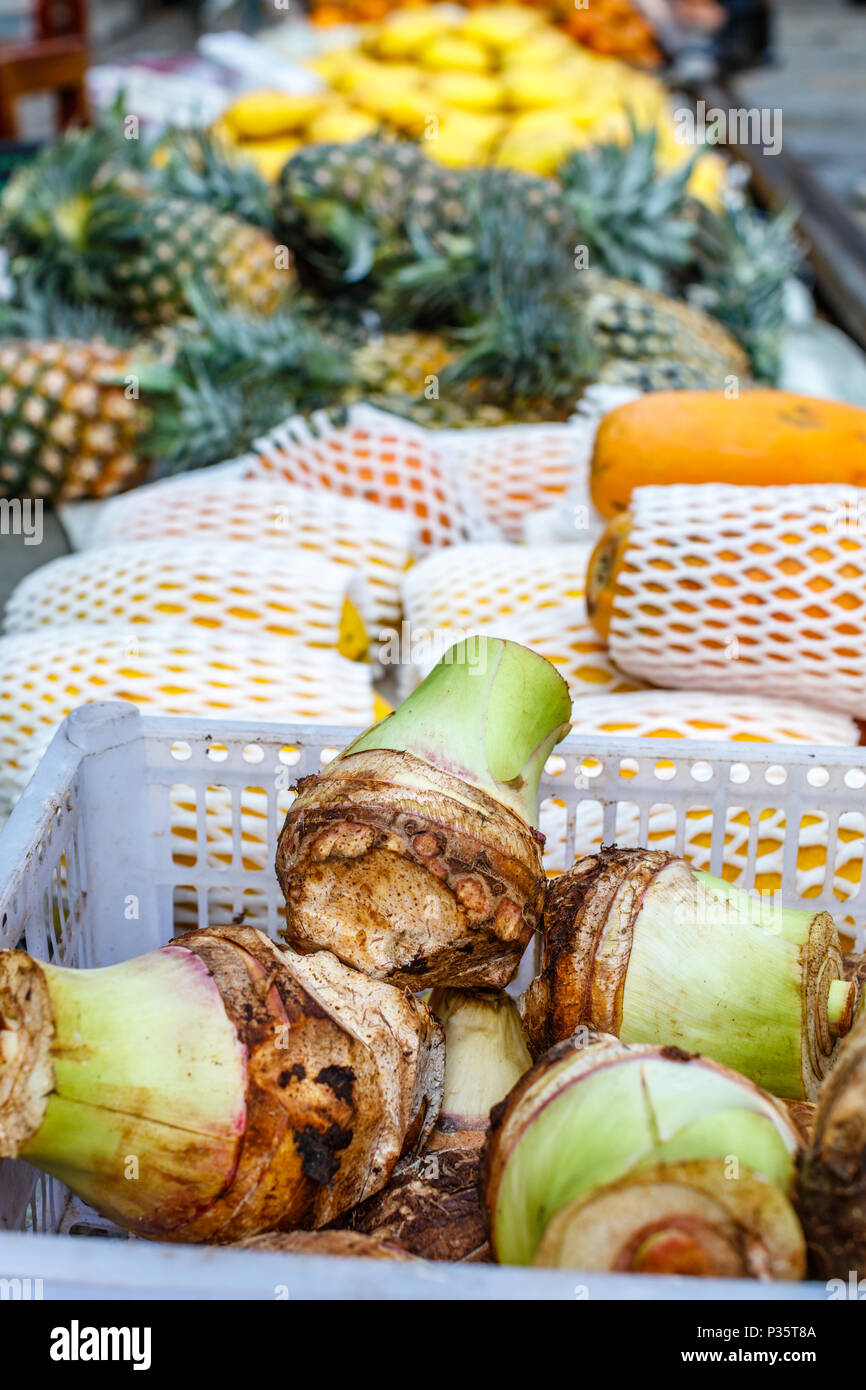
(58, 56)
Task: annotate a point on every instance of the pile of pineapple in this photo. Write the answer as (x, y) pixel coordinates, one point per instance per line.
(498, 84)
(171, 305)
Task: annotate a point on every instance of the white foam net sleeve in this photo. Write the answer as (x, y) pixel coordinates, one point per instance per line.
(709, 715)
(531, 594)
(343, 530)
(715, 717)
(382, 459)
(46, 673)
(225, 587)
(745, 589)
(517, 470)
(497, 580)
(572, 516)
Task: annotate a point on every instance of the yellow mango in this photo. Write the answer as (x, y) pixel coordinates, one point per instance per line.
(502, 26)
(451, 52)
(471, 91)
(269, 156)
(536, 152)
(262, 115)
(404, 33)
(341, 125)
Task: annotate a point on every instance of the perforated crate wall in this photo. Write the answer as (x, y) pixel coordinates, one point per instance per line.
(701, 715)
(227, 587)
(746, 589)
(381, 459)
(221, 507)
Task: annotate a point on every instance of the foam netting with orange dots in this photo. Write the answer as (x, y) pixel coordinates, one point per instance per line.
(381, 459)
(222, 508)
(531, 594)
(225, 588)
(744, 589)
(518, 470)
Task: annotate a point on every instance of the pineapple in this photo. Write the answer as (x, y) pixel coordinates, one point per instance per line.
(632, 218)
(661, 374)
(536, 329)
(337, 203)
(102, 233)
(455, 203)
(68, 427)
(400, 372)
(626, 321)
(82, 417)
(181, 242)
(521, 352)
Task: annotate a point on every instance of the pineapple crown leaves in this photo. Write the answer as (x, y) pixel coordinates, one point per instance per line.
(530, 344)
(283, 344)
(526, 336)
(457, 275)
(438, 286)
(198, 164)
(32, 313)
(744, 258)
(62, 214)
(236, 378)
(633, 218)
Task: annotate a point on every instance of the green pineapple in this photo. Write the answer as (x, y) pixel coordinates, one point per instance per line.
(635, 221)
(339, 204)
(89, 228)
(449, 205)
(517, 347)
(535, 327)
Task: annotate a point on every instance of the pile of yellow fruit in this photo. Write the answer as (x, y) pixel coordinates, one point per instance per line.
(497, 84)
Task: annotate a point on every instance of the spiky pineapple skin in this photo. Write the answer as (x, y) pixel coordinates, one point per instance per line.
(446, 205)
(70, 422)
(369, 181)
(401, 373)
(191, 242)
(629, 322)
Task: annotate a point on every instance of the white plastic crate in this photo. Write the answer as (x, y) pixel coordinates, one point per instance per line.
(87, 878)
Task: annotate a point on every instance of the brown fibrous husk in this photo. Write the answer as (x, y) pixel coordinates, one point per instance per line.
(832, 1179)
(344, 1243)
(432, 1205)
(409, 873)
(575, 986)
(343, 1076)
